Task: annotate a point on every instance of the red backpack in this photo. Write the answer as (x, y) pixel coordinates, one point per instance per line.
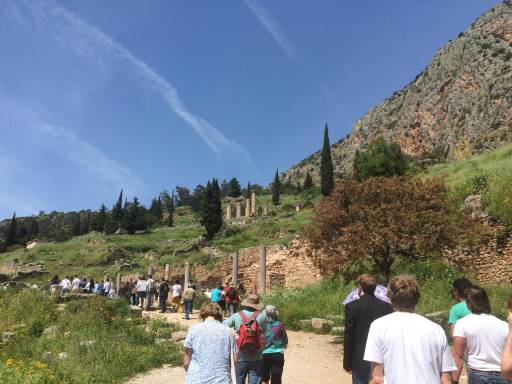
(249, 339)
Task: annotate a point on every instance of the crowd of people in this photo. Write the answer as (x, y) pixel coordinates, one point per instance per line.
(83, 285)
(253, 336)
(390, 343)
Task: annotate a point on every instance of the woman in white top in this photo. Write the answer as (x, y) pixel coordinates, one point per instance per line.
(208, 349)
(483, 336)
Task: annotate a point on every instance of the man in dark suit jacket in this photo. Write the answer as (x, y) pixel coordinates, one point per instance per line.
(359, 315)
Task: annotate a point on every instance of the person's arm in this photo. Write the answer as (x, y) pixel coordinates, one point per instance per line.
(506, 359)
(377, 373)
(459, 346)
(452, 327)
(446, 378)
(348, 339)
(187, 358)
(229, 322)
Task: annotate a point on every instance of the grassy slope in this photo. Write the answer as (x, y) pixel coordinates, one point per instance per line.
(86, 255)
(489, 174)
(121, 348)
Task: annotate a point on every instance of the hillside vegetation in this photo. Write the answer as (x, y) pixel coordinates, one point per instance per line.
(97, 254)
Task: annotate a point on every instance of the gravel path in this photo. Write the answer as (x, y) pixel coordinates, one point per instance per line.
(309, 359)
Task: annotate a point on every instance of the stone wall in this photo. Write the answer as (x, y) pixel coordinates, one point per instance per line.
(490, 264)
(287, 266)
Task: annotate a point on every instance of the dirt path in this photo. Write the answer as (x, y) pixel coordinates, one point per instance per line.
(309, 359)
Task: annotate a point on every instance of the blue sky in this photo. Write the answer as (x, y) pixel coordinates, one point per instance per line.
(96, 96)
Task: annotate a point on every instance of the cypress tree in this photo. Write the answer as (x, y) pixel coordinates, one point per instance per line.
(117, 210)
(212, 209)
(168, 202)
(156, 209)
(276, 188)
(11, 235)
(248, 192)
(326, 168)
(100, 220)
(308, 181)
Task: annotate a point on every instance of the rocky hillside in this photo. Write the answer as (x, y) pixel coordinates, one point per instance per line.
(461, 104)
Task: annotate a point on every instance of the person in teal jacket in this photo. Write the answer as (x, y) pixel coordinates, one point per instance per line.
(459, 310)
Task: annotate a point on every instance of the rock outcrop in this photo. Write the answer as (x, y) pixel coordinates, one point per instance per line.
(461, 104)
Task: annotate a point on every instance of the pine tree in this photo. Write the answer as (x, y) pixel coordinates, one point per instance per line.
(156, 209)
(134, 219)
(248, 191)
(308, 182)
(234, 188)
(33, 229)
(11, 235)
(100, 219)
(168, 202)
(326, 168)
(212, 209)
(276, 188)
(117, 210)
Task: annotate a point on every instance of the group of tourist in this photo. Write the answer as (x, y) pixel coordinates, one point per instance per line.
(386, 343)
(253, 336)
(83, 285)
(228, 297)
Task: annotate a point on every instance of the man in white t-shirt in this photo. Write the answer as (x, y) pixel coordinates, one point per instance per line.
(106, 287)
(176, 294)
(483, 336)
(75, 284)
(406, 348)
(66, 285)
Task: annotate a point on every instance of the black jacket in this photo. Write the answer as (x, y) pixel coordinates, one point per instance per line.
(359, 315)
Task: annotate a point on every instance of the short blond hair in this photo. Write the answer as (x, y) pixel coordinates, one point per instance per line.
(404, 292)
(367, 283)
(210, 310)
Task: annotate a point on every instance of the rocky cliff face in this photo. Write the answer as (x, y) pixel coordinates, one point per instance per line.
(461, 104)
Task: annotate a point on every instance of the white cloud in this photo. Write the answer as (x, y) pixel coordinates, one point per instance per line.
(270, 24)
(107, 173)
(86, 39)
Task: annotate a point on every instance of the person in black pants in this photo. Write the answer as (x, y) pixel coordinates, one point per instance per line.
(359, 315)
(163, 293)
(276, 341)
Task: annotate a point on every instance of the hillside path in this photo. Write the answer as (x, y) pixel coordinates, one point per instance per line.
(309, 359)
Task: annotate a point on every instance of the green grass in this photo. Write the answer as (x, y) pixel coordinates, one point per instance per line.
(325, 298)
(120, 349)
(488, 174)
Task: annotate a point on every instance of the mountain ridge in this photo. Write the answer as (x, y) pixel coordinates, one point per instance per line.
(459, 105)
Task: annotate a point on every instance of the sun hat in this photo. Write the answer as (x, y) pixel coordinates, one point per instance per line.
(252, 301)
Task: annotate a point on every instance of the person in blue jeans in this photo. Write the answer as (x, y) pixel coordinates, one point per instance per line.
(188, 300)
(248, 365)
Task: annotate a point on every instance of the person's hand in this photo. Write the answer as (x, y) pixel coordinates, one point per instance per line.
(509, 319)
(377, 380)
(348, 370)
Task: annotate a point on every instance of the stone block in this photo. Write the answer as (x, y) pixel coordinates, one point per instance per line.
(7, 336)
(321, 325)
(338, 320)
(51, 332)
(178, 336)
(338, 331)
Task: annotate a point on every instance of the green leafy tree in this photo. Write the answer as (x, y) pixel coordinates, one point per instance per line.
(234, 188)
(212, 209)
(308, 182)
(182, 196)
(168, 202)
(276, 188)
(381, 159)
(198, 198)
(11, 234)
(326, 168)
(135, 218)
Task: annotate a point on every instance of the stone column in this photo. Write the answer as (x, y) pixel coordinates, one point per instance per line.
(118, 283)
(265, 209)
(234, 273)
(187, 274)
(297, 208)
(263, 271)
(253, 204)
(238, 210)
(247, 207)
(167, 272)
(228, 213)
